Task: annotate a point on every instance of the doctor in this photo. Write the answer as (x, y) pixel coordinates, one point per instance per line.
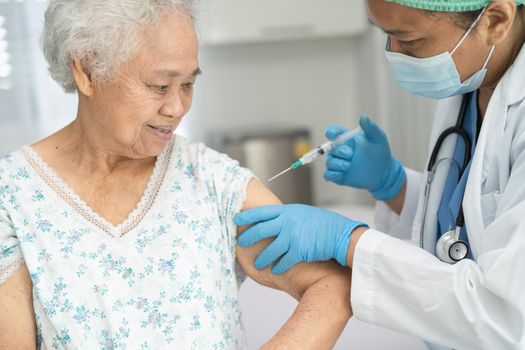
(446, 261)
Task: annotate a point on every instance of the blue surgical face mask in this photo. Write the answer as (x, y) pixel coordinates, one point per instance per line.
(435, 77)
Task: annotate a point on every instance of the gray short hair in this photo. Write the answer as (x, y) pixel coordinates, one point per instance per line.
(104, 34)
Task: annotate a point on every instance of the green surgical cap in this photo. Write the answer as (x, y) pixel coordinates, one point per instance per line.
(447, 5)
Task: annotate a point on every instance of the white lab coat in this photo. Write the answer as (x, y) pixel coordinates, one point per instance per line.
(476, 304)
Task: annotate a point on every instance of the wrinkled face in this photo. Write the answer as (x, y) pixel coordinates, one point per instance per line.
(137, 113)
(421, 34)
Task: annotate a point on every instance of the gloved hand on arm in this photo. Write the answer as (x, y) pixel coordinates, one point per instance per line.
(304, 233)
(365, 162)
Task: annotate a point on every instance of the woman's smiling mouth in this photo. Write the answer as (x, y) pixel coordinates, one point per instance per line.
(165, 133)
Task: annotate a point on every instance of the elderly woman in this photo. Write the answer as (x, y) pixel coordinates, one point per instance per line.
(116, 234)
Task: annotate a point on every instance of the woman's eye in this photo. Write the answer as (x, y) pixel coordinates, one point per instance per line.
(159, 88)
(162, 88)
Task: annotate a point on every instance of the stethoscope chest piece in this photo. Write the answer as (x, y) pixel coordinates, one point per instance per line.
(450, 248)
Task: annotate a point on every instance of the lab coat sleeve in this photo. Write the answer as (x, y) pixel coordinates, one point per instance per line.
(400, 226)
(464, 306)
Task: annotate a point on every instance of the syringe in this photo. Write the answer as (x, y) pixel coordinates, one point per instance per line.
(320, 150)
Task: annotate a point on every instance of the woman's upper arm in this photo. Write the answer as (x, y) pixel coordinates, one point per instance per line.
(17, 318)
(296, 280)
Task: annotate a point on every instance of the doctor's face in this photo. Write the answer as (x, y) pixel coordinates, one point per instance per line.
(423, 34)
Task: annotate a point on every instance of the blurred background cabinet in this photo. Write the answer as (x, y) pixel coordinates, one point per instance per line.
(243, 21)
(268, 151)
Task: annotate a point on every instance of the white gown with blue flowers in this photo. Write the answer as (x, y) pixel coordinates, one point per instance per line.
(165, 278)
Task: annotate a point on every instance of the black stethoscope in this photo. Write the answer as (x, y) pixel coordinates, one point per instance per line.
(449, 247)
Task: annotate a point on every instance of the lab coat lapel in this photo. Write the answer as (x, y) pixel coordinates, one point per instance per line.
(510, 90)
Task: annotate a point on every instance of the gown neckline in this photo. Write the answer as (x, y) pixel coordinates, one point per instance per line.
(58, 185)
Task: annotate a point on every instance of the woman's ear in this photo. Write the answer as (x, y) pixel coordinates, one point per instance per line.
(82, 77)
(500, 15)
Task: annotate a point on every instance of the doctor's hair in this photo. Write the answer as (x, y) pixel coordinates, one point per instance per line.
(465, 19)
(461, 19)
(101, 34)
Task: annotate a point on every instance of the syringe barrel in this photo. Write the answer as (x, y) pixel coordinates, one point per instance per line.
(319, 151)
(346, 136)
(312, 155)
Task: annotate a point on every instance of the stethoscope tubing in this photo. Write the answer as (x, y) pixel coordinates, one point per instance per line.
(433, 163)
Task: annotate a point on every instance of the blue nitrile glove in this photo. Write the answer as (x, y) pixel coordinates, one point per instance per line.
(365, 162)
(304, 233)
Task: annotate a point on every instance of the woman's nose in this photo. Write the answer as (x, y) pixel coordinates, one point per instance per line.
(173, 105)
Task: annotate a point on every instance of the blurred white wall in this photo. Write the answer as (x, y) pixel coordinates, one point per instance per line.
(309, 83)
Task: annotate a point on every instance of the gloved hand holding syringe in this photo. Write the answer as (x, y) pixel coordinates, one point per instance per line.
(320, 150)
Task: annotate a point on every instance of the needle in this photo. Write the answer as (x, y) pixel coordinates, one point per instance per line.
(320, 150)
(281, 173)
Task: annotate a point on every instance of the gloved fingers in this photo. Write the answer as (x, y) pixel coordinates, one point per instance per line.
(332, 131)
(259, 214)
(373, 132)
(337, 164)
(334, 176)
(271, 253)
(286, 263)
(345, 151)
(259, 232)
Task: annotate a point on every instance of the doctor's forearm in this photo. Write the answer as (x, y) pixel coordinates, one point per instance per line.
(320, 317)
(396, 203)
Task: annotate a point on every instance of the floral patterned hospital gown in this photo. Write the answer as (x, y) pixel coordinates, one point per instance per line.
(165, 278)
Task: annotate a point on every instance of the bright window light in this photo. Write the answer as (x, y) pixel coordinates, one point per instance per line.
(5, 67)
